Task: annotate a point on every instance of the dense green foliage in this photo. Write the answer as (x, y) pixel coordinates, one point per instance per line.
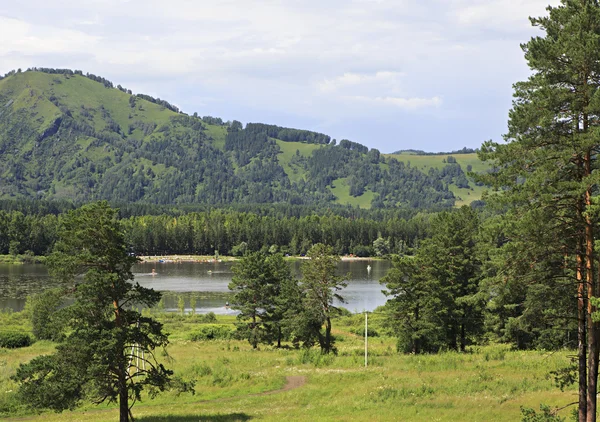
(32, 226)
(46, 320)
(544, 247)
(435, 303)
(64, 134)
(213, 332)
(96, 359)
(319, 286)
(13, 340)
(274, 306)
(258, 284)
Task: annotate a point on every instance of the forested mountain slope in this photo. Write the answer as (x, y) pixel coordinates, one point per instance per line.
(65, 134)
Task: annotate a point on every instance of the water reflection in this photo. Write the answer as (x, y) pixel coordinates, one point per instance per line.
(207, 283)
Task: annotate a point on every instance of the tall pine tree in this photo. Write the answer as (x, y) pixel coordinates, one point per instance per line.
(549, 161)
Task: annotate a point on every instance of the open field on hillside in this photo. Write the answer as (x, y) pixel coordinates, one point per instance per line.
(218, 135)
(424, 162)
(341, 190)
(489, 383)
(466, 196)
(288, 150)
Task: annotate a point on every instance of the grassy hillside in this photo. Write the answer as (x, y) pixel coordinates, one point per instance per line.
(68, 135)
(463, 196)
(424, 162)
(341, 190)
(291, 150)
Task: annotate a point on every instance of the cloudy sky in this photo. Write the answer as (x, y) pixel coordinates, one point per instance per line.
(391, 74)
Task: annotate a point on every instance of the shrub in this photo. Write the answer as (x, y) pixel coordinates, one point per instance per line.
(45, 318)
(213, 332)
(360, 331)
(14, 340)
(315, 357)
(546, 415)
(209, 318)
(342, 312)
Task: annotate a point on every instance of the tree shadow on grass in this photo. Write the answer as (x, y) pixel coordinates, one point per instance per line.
(232, 417)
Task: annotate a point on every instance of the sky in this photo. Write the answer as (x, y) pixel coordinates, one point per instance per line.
(434, 75)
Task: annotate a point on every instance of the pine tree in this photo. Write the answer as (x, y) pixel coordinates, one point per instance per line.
(435, 302)
(257, 284)
(319, 287)
(549, 159)
(108, 354)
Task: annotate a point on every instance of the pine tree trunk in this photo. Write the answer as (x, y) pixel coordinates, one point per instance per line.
(581, 340)
(123, 400)
(452, 343)
(463, 338)
(591, 292)
(254, 337)
(122, 371)
(278, 336)
(417, 341)
(327, 335)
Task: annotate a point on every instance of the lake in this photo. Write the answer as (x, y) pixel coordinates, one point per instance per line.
(206, 282)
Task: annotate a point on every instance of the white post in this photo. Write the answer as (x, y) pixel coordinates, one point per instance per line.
(366, 337)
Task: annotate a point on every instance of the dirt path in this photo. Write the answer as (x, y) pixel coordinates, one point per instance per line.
(291, 383)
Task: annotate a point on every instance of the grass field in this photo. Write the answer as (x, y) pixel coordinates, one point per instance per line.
(341, 190)
(425, 162)
(489, 383)
(288, 150)
(218, 134)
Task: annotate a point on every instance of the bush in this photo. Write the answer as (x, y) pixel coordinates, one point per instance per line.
(360, 331)
(341, 312)
(45, 318)
(546, 415)
(208, 318)
(315, 357)
(213, 332)
(13, 340)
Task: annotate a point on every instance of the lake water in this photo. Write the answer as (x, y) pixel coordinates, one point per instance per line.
(205, 282)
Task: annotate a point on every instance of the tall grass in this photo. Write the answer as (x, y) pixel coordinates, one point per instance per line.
(489, 383)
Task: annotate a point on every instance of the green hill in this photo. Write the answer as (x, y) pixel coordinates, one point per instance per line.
(64, 134)
(468, 162)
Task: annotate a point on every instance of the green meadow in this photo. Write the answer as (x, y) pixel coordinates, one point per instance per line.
(235, 383)
(425, 162)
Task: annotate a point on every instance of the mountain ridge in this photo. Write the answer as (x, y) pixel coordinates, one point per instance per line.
(64, 134)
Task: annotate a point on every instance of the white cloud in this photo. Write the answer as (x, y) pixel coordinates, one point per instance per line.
(23, 37)
(353, 79)
(297, 60)
(403, 103)
(506, 14)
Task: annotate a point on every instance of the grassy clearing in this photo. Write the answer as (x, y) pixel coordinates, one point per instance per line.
(424, 162)
(488, 384)
(341, 190)
(466, 196)
(218, 135)
(288, 150)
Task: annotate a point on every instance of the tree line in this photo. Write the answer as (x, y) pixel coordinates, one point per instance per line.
(222, 231)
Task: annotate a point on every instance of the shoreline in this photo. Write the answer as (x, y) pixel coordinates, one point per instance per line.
(211, 259)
